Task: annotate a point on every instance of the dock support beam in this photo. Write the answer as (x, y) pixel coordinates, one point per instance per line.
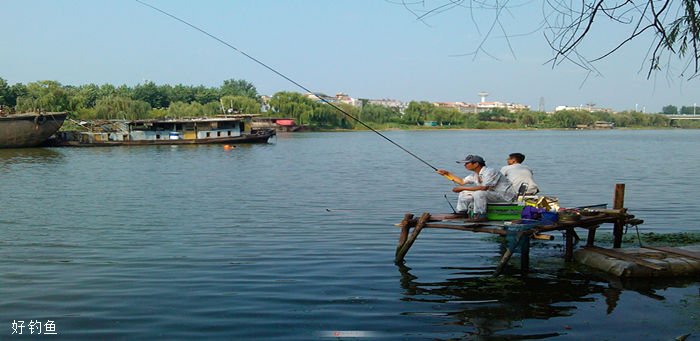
(618, 203)
(525, 255)
(406, 241)
(522, 242)
(590, 240)
(569, 247)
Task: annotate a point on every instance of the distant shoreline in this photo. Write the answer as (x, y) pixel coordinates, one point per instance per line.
(491, 129)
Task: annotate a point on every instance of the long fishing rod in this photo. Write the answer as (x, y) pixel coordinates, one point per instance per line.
(290, 80)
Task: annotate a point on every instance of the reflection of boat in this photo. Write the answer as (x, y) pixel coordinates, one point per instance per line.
(29, 129)
(226, 129)
(9, 156)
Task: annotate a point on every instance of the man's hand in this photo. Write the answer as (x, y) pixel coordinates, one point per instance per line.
(450, 176)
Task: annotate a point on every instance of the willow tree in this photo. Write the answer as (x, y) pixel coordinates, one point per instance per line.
(116, 107)
(240, 104)
(238, 87)
(44, 96)
(293, 105)
(671, 27)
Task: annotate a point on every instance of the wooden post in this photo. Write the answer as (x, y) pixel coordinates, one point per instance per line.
(509, 253)
(401, 250)
(404, 229)
(569, 248)
(591, 235)
(525, 255)
(618, 203)
(504, 260)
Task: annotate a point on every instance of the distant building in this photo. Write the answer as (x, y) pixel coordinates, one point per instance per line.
(512, 107)
(344, 98)
(586, 108)
(603, 125)
(389, 103)
(459, 106)
(321, 97)
(481, 106)
(462, 107)
(596, 125)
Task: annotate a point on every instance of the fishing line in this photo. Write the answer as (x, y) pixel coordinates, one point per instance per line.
(287, 78)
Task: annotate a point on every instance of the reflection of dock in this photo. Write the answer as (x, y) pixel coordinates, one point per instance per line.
(493, 308)
(520, 234)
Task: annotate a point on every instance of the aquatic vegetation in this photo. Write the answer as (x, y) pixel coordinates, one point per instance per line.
(628, 239)
(652, 238)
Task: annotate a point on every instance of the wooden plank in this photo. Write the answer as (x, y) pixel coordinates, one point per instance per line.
(469, 228)
(675, 251)
(624, 256)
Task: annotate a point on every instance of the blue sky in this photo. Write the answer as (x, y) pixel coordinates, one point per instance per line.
(365, 48)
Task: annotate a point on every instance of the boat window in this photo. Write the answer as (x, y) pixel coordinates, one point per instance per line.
(157, 136)
(229, 133)
(208, 134)
(218, 133)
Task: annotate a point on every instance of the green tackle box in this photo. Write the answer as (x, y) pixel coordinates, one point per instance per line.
(503, 211)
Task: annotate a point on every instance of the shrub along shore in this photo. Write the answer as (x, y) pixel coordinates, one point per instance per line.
(149, 100)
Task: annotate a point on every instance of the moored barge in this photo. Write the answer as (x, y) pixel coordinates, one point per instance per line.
(29, 129)
(220, 129)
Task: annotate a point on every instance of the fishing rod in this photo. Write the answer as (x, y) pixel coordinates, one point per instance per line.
(293, 82)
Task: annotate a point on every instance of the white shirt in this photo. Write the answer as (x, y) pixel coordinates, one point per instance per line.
(492, 178)
(518, 174)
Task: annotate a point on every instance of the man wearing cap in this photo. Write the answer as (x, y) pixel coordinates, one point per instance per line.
(479, 188)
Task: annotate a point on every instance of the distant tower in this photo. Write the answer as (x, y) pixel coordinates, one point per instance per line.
(483, 96)
(540, 108)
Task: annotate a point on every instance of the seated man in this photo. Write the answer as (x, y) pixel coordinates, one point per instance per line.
(519, 174)
(479, 188)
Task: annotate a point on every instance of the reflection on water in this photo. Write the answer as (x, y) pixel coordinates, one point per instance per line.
(491, 305)
(29, 155)
(496, 307)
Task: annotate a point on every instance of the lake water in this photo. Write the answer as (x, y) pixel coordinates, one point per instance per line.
(295, 239)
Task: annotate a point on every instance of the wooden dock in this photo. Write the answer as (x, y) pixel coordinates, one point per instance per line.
(411, 228)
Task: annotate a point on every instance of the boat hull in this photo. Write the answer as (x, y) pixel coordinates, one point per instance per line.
(29, 129)
(256, 137)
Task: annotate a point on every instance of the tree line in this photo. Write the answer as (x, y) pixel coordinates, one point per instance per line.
(685, 110)
(150, 100)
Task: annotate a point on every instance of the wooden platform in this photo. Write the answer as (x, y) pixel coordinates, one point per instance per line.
(411, 228)
(647, 261)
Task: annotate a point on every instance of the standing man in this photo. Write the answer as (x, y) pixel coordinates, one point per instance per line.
(519, 174)
(482, 186)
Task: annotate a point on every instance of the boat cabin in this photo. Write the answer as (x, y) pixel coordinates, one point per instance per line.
(163, 131)
(185, 129)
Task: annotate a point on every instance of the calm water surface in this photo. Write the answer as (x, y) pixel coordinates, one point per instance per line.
(295, 240)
